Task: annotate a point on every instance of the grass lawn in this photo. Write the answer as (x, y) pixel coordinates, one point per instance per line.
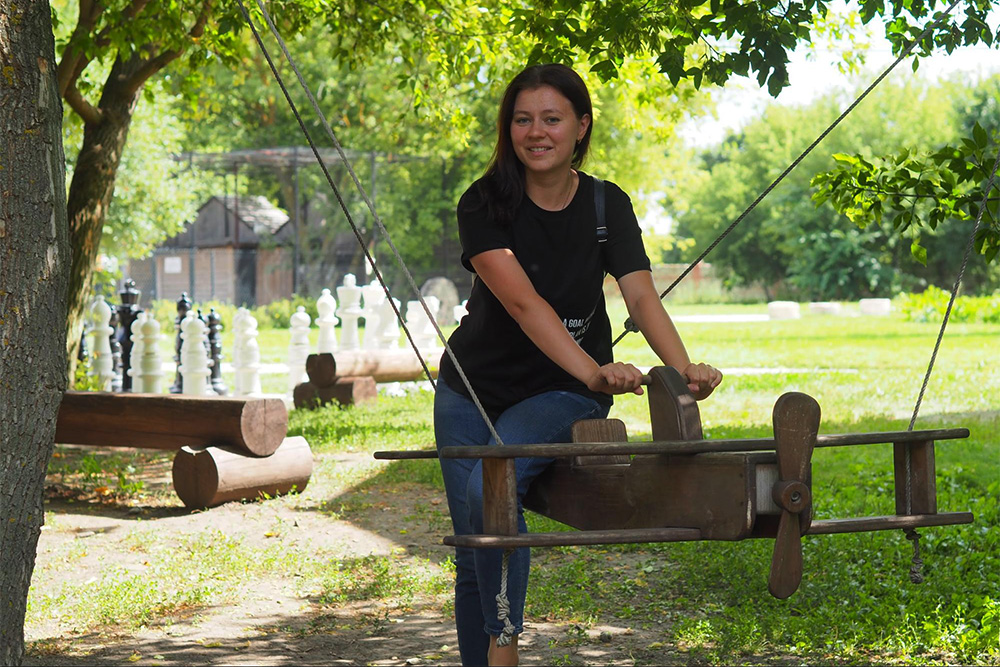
(707, 602)
(856, 603)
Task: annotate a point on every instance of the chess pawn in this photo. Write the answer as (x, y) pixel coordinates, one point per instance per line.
(146, 355)
(389, 327)
(374, 297)
(461, 311)
(194, 356)
(183, 306)
(134, 372)
(349, 295)
(103, 366)
(215, 351)
(246, 355)
(298, 349)
(327, 322)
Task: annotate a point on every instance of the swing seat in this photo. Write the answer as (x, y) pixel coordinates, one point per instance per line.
(683, 487)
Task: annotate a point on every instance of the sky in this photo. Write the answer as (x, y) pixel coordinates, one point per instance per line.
(813, 72)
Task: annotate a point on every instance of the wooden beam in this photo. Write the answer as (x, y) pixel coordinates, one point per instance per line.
(499, 497)
(575, 538)
(160, 421)
(870, 523)
(920, 486)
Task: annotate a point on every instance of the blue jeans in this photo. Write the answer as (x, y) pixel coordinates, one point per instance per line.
(544, 418)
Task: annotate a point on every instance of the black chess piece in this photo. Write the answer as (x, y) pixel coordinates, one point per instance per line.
(215, 351)
(116, 352)
(128, 311)
(183, 306)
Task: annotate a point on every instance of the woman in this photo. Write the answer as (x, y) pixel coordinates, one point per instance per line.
(536, 342)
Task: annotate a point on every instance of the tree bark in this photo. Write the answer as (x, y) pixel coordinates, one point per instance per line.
(93, 186)
(34, 262)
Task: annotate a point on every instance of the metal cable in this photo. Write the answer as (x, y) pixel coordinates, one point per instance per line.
(350, 219)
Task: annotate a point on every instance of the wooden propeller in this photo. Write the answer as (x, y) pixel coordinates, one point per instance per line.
(796, 424)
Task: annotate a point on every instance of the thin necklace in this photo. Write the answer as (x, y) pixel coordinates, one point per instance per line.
(568, 193)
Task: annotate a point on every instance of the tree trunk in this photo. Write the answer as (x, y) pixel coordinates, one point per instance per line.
(34, 261)
(92, 188)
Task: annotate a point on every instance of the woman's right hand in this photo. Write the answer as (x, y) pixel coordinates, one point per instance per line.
(616, 378)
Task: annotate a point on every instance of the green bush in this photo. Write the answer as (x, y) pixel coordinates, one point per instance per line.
(277, 314)
(931, 304)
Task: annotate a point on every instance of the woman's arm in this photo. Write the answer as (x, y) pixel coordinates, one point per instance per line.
(505, 277)
(646, 310)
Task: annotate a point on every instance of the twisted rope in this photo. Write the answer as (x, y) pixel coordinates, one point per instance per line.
(916, 568)
(503, 604)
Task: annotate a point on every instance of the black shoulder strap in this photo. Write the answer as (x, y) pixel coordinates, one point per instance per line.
(602, 227)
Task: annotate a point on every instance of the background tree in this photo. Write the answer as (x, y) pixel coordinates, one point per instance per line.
(34, 262)
(789, 241)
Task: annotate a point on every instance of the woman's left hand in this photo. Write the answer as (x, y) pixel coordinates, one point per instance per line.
(702, 379)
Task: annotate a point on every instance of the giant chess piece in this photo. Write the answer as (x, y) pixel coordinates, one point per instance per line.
(246, 355)
(389, 325)
(298, 349)
(183, 306)
(349, 295)
(326, 305)
(194, 356)
(116, 351)
(147, 371)
(419, 324)
(215, 351)
(103, 365)
(136, 349)
(128, 311)
(374, 297)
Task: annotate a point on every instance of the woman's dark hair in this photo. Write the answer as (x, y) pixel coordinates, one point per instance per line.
(502, 186)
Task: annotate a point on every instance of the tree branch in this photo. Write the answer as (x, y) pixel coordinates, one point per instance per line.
(157, 63)
(88, 112)
(73, 61)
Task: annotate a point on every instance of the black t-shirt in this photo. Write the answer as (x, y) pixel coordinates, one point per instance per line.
(560, 253)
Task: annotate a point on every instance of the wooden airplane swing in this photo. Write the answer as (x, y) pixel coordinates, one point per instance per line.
(682, 487)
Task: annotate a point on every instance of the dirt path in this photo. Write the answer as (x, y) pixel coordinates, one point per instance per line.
(271, 619)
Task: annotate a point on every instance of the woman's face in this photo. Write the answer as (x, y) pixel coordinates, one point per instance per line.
(545, 130)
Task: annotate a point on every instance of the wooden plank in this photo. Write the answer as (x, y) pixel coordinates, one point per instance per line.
(405, 455)
(678, 447)
(499, 497)
(710, 492)
(673, 412)
(210, 476)
(586, 497)
(600, 430)
(160, 421)
(891, 522)
(574, 538)
(921, 481)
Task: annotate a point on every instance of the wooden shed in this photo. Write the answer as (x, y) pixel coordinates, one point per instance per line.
(237, 250)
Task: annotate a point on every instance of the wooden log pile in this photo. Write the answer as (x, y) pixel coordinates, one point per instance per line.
(227, 448)
(325, 385)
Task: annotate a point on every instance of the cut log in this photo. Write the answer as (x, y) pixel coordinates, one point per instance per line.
(346, 391)
(210, 476)
(156, 421)
(321, 369)
(383, 365)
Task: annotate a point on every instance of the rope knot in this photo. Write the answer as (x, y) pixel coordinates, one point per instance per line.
(917, 564)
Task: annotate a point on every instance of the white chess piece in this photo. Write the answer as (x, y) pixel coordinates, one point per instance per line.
(388, 325)
(103, 365)
(246, 354)
(350, 310)
(461, 311)
(148, 362)
(374, 297)
(326, 305)
(298, 349)
(195, 361)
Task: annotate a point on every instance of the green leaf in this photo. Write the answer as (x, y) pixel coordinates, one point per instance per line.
(918, 251)
(980, 136)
